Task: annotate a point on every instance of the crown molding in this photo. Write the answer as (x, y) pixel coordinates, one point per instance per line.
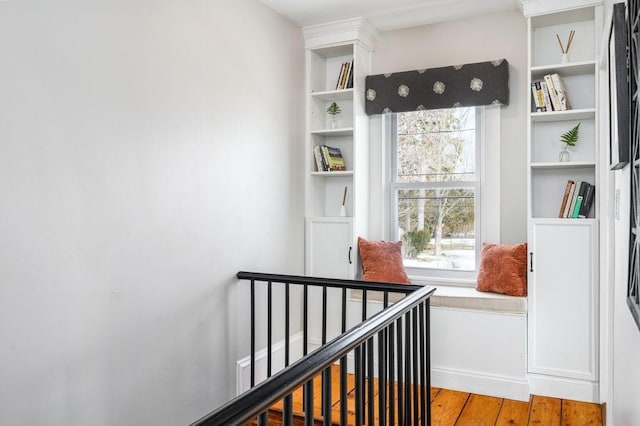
(541, 7)
(358, 30)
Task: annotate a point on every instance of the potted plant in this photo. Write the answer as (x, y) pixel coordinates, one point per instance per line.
(569, 138)
(333, 110)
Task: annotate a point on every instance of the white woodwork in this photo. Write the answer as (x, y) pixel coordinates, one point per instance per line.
(329, 247)
(484, 353)
(563, 298)
(563, 284)
(338, 33)
(328, 46)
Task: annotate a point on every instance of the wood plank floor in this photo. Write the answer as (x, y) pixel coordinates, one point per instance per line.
(449, 408)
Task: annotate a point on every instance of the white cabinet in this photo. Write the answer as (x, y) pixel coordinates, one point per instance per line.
(563, 307)
(329, 248)
(330, 237)
(562, 279)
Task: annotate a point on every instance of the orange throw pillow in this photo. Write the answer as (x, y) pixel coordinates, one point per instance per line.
(503, 269)
(382, 261)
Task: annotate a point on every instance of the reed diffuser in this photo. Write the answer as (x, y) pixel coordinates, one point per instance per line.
(343, 208)
(565, 50)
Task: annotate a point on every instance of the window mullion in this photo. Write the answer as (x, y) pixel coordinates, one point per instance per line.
(436, 185)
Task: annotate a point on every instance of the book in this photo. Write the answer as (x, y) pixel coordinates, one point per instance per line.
(345, 77)
(536, 100)
(543, 102)
(567, 191)
(572, 203)
(553, 95)
(545, 93)
(579, 198)
(538, 97)
(350, 79)
(587, 201)
(569, 198)
(317, 154)
(576, 210)
(558, 85)
(340, 77)
(334, 158)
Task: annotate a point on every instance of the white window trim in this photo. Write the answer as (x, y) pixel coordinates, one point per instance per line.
(489, 195)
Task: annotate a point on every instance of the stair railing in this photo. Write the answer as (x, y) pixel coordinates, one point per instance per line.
(392, 346)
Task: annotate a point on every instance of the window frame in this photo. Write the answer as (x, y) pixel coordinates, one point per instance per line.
(433, 275)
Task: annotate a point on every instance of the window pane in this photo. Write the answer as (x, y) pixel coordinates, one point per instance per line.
(436, 145)
(437, 227)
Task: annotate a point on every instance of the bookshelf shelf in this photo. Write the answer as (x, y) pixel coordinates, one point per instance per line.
(567, 165)
(337, 173)
(572, 114)
(333, 95)
(569, 69)
(346, 131)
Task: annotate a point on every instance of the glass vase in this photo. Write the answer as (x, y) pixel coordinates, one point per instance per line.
(333, 123)
(564, 155)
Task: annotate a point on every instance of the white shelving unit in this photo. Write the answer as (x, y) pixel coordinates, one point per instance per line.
(563, 253)
(330, 239)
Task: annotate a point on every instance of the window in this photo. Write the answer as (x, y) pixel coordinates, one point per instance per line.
(435, 190)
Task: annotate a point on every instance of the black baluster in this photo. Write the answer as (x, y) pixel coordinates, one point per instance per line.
(400, 369)
(371, 409)
(359, 385)
(392, 394)
(269, 324)
(308, 403)
(382, 383)
(326, 396)
(414, 363)
(253, 334)
(287, 319)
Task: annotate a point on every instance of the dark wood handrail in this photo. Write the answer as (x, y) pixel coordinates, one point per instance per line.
(331, 282)
(259, 398)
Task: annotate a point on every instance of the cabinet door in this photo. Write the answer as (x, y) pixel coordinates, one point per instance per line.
(330, 251)
(563, 298)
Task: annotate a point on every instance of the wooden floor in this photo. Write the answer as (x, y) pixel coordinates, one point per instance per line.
(449, 407)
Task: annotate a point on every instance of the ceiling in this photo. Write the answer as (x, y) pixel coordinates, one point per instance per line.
(387, 14)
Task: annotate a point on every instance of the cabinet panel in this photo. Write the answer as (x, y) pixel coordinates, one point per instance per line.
(563, 298)
(329, 252)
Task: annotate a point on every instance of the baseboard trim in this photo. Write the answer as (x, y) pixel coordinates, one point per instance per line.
(558, 387)
(480, 383)
(243, 366)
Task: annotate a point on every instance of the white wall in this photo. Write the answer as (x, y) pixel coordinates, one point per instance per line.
(625, 408)
(470, 40)
(149, 149)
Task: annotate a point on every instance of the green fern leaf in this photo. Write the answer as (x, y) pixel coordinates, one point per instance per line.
(571, 137)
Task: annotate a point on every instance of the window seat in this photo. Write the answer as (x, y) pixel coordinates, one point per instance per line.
(470, 298)
(450, 296)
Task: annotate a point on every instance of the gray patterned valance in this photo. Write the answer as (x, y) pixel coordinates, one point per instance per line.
(483, 83)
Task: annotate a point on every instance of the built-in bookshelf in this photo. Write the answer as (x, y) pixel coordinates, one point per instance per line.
(338, 58)
(577, 73)
(563, 250)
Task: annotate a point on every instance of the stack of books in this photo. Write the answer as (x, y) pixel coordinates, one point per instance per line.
(328, 159)
(577, 200)
(549, 94)
(345, 78)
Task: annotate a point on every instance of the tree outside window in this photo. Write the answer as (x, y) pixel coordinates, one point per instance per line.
(435, 186)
